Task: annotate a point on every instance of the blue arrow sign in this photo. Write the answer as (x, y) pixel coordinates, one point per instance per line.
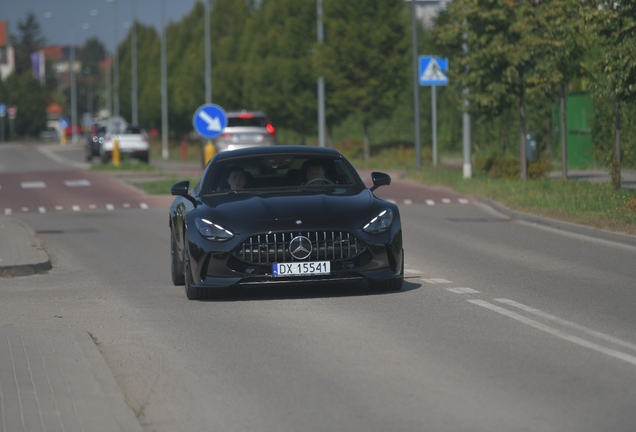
(432, 70)
(63, 122)
(209, 120)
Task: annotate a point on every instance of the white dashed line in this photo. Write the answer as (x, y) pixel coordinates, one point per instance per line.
(430, 202)
(33, 185)
(555, 332)
(436, 281)
(25, 209)
(446, 201)
(463, 201)
(76, 208)
(408, 202)
(110, 207)
(7, 211)
(42, 209)
(58, 208)
(462, 290)
(126, 205)
(143, 206)
(77, 183)
(92, 206)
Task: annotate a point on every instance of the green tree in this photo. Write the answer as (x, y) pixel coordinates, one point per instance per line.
(363, 58)
(504, 47)
(615, 71)
(29, 96)
(26, 42)
(281, 79)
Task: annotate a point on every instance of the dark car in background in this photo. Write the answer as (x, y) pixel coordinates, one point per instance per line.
(279, 226)
(94, 140)
(246, 129)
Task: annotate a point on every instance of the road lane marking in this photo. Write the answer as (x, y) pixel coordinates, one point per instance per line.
(76, 208)
(463, 201)
(59, 208)
(463, 290)
(436, 281)
(25, 209)
(7, 211)
(555, 332)
(110, 207)
(430, 202)
(42, 209)
(446, 201)
(143, 206)
(408, 202)
(33, 185)
(565, 323)
(77, 183)
(126, 205)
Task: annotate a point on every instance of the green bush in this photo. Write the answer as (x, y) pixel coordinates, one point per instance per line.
(508, 167)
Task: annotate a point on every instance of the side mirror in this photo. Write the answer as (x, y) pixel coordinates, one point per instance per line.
(181, 189)
(379, 179)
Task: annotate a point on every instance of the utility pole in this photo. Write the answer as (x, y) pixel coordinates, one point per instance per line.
(164, 85)
(416, 90)
(321, 83)
(133, 51)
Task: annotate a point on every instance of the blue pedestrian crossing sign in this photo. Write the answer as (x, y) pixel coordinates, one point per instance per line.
(209, 120)
(432, 71)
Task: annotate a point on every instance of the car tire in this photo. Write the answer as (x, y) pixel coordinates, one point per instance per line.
(192, 292)
(145, 159)
(176, 263)
(393, 284)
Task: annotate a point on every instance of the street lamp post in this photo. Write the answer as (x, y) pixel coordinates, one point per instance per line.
(133, 51)
(321, 83)
(116, 65)
(164, 85)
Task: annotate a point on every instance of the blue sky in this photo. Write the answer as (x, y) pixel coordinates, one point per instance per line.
(61, 21)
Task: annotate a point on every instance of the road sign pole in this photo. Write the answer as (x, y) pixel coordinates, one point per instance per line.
(434, 122)
(416, 91)
(2, 130)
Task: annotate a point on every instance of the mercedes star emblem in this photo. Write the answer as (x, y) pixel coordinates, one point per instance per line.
(300, 247)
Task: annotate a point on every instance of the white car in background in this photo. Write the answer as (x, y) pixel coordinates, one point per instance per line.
(132, 142)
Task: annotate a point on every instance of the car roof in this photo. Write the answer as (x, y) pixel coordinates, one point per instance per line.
(278, 149)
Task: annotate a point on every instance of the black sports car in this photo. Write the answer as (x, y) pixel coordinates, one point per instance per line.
(283, 215)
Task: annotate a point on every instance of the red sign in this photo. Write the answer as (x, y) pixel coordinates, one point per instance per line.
(12, 110)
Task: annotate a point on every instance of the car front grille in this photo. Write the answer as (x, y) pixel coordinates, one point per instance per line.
(274, 247)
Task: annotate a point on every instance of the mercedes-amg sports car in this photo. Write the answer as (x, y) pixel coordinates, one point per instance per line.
(282, 215)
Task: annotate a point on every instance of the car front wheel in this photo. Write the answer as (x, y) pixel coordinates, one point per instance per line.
(192, 292)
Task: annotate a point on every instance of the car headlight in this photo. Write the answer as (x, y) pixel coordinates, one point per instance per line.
(380, 223)
(212, 231)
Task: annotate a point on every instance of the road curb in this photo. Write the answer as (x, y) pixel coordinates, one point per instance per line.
(22, 252)
(616, 237)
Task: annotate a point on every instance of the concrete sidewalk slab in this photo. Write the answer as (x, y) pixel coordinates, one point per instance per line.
(56, 380)
(21, 251)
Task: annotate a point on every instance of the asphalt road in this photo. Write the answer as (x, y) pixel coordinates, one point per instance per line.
(501, 325)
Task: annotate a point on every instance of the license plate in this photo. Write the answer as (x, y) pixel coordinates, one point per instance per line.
(301, 268)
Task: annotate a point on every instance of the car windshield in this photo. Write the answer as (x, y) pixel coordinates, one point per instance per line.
(133, 130)
(280, 171)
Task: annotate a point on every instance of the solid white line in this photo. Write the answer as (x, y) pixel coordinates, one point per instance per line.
(76, 208)
(462, 290)
(563, 322)
(555, 332)
(430, 202)
(42, 209)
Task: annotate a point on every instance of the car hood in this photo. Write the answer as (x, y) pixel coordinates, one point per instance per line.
(279, 211)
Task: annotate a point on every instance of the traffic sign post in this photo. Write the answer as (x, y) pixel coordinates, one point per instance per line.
(3, 113)
(432, 74)
(12, 111)
(209, 120)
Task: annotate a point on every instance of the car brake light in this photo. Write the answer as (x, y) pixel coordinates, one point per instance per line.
(227, 135)
(246, 115)
(270, 129)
